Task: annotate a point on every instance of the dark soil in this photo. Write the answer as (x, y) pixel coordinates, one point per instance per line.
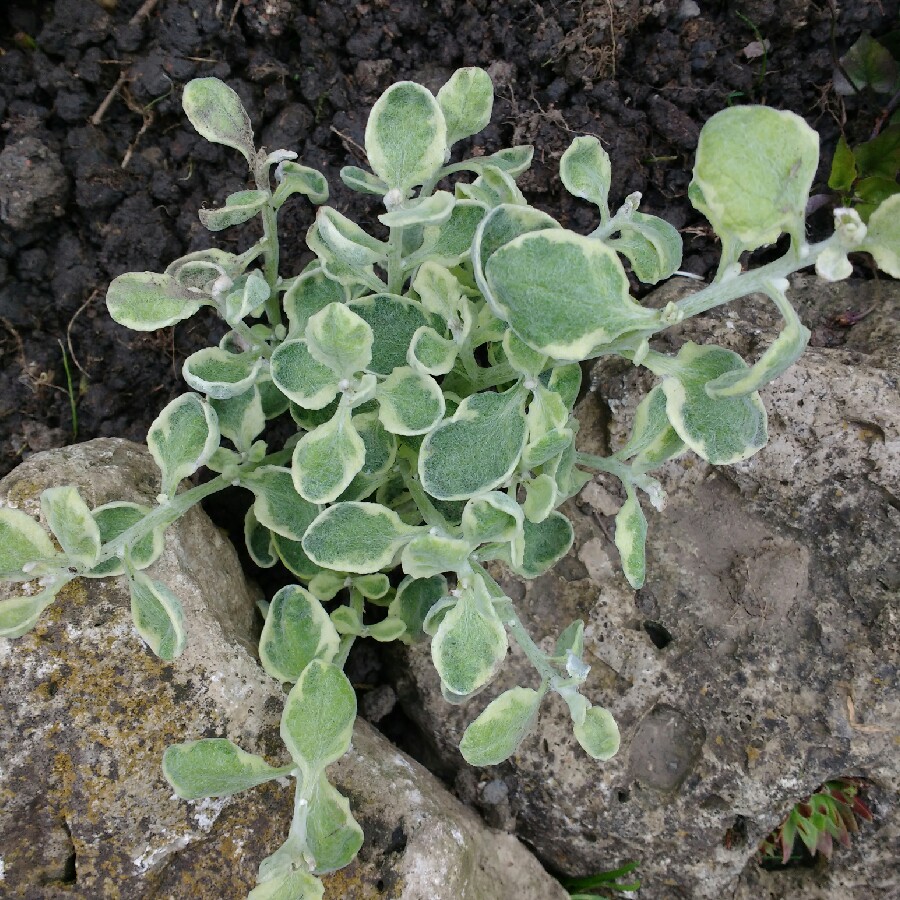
(92, 192)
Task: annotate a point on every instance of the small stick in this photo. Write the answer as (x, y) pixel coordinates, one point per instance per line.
(145, 9)
(69, 333)
(97, 117)
(349, 140)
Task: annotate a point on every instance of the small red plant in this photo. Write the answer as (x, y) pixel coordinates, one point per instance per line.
(827, 815)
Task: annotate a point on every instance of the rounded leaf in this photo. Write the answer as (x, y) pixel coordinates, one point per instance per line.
(586, 172)
(598, 734)
(145, 301)
(116, 518)
(466, 101)
(220, 374)
(496, 734)
(406, 136)
(883, 237)
(71, 521)
(157, 616)
(217, 113)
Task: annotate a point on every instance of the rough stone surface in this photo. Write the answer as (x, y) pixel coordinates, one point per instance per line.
(762, 656)
(33, 184)
(87, 711)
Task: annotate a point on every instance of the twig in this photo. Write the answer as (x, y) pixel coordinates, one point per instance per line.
(349, 140)
(71, 391)
(234, 12)
(69, 333)
(145, 9)
(97, 117)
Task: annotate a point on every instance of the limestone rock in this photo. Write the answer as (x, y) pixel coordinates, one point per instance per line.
(87, 712)
(33, 184)
(762, 656)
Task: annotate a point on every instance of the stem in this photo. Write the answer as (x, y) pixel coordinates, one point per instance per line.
(358, 603)
(270, 244)
(395, 261)
(432, 516)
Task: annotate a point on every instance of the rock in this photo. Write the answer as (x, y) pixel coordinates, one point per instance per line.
(34, 186)
(762, 656)
(88, 711)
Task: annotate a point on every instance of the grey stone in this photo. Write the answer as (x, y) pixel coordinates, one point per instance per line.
(762, 656)
(87, 712)
(34, 186)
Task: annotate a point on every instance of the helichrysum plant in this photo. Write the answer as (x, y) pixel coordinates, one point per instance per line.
(431, 371)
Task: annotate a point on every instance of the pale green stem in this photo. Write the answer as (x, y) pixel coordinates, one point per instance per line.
(395, 261)
(410, 474)
(270, 245)
(357, 603)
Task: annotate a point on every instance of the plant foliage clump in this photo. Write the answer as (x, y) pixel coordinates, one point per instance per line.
(431, 371)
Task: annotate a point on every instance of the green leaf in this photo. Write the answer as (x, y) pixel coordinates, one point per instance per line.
(431, 354)
(380, 444)
(565, 381)
(598, 734)
(492, 516)
(238, 208)
(18, 615)
(868, 64)
(217, 113)
(386, 630)
(332, 834)
(652, 440)
(571, 640)
(393, 320)
(651, 245)
(753, 171)
(412, 602)
(521, 357)
(871, 192)
(310, 293)
(326, 460)
(454, 462)
(432, 554)
(348, 621)
(843, 168)
(182, 438)
(359, 180)
(158, 616)
(220, 374)
(880, 156)
(493, 187)
(296, 179)
(543, 544)
(258, 540)
(410, 402)
(586, 172)
(721, 431)
(883, 237)
(631, 538)
(274, 403)
(506, 721)
(145, 301)
(563, 294)
(317, 723)
(450, 243)
(241, 418)
(406, 136)
(466, 101)
(470, 644)
(294, 558)
(301, 377)
(291, 884)
(277, 505)
(373, 587)
(347, 241)
(297, 631)
(356, 537)
(429, 211)
(215, 767)
(541, 495)
(338, 338)
(116, 518)
(71, 521)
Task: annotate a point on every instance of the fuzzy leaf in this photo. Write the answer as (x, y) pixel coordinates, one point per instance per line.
(215, 767)
(347, 241)
(393, 320)
(586, 172)
(406, 136)
(310, 293)
(182, 438)
(326, 460)
(431, 354)
(301, 377)
(496, 734)
(359, 180)
(297, 179)
(318, 717)
(541, 495)
(217, 113)
(294, 558)
(477, 449)
(332, 834)
(297, 631)
(542, 545)
(651, 245)
(409, 402)
(277, 505)
(432, 554)
(356, 537)
(157, 616)
(563, 294)
(598, 734)
(145, 301)
(450, 243)
(220, 374)
(338, 338)
(71, 521)
(470, 644)
(114, 519)
(753, 171)
(414, 598)
(721, 431)
(19, 615)
(631, 537)
(883, 237)
(492, 516)
(466, 101)
(238, 208)
(258, 540)
(241, 418)
(652, 440)
(430, 211)
(289, 884)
